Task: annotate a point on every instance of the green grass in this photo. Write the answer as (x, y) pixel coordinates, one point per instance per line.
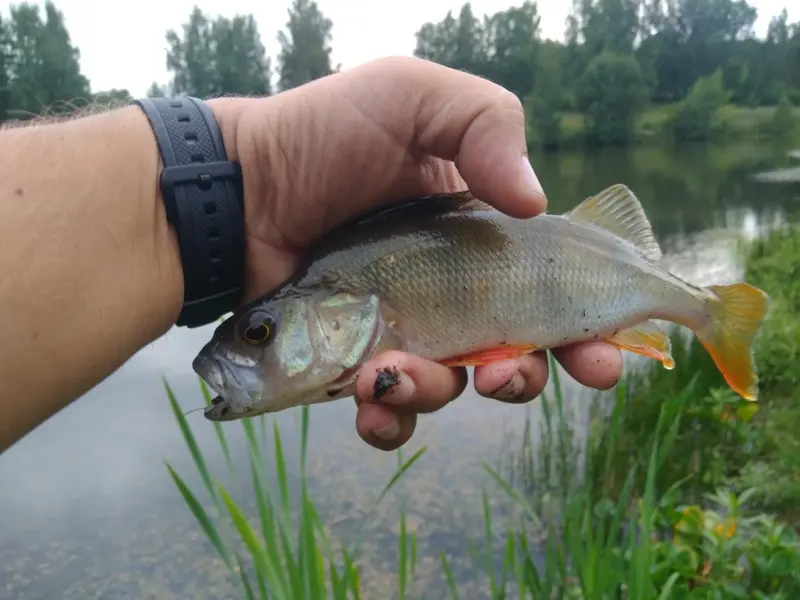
(288, 552)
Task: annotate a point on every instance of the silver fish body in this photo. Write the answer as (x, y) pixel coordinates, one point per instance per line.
(450, 279)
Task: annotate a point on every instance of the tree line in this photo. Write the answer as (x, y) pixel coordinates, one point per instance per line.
(617, 56)
(40, 66)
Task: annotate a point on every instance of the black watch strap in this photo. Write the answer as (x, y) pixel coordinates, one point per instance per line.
(204, 200)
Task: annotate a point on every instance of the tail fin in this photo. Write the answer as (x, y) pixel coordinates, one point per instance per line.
(738, 313)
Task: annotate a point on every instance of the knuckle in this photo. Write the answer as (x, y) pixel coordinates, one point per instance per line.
(396, 63)
(509, 101)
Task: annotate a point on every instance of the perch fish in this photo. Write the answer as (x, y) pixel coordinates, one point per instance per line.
(451, 279)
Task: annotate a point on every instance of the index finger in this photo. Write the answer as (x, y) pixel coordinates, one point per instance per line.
(470, 120)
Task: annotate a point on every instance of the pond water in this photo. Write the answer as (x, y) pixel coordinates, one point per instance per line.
(89, 510)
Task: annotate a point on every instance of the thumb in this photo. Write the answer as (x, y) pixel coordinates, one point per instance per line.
(480, 126)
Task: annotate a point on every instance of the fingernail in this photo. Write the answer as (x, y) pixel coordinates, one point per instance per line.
(389, 432)
(393, 386)
(511, 389)
(529, 178)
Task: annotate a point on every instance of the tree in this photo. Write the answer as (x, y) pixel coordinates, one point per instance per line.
(775, 71)
(240, 60)
(611, 93)
(112, 98)
(156, 91)
(305, 53)
(44, 66)
(502, 49)
(783, 123)
(512, 41)
(597, 25)
(5, 65)
(435, 41)
(544, 104)
(688, 39)
(455, 43)
(212, 58)
(694, 117)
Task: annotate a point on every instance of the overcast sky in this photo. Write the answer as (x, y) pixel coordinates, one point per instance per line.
(130, 53)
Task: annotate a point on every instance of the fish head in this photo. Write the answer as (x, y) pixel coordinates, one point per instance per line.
(284, 352)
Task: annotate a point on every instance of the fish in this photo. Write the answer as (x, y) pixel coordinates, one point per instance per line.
(451, 279)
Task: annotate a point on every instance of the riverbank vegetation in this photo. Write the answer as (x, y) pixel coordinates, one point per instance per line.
(724, 440)
(682, 490)
(630, 70)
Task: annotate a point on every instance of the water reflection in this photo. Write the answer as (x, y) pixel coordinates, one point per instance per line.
(89, 510)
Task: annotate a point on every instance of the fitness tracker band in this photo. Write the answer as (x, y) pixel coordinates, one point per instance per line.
(204, 200)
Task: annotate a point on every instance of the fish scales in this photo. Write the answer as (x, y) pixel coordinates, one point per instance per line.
(491, 279)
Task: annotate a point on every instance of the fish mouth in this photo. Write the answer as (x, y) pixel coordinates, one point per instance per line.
(225, 383)
(211, 372)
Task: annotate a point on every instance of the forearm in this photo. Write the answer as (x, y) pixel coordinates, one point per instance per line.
(90, 268)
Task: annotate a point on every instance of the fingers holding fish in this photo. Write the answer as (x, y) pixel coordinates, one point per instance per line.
(409, 383)
(516, 380)
(383, 427)
(483, 131)
(593, 364)
(454, 284)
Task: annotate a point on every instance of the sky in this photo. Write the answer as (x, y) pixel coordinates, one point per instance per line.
(131, 53)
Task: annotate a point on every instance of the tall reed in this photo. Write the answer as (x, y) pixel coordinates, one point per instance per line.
(590, 550)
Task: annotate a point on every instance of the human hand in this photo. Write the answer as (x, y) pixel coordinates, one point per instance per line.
(318, 155)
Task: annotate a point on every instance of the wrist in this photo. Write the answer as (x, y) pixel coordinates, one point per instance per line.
(201, 190)
(158, 256)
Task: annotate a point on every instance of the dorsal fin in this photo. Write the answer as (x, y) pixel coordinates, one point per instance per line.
(618, 210)
(432, 204)
(462, 200)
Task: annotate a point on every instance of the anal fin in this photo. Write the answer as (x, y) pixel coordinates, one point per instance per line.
(486, 356)
(646, 339)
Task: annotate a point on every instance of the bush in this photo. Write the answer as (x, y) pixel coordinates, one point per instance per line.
(543, 108)
(783, 120)
(722, 552)
(774, 265)
(611, 93)
(694, 116)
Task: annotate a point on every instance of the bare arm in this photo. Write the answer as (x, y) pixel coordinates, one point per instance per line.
(90, 268)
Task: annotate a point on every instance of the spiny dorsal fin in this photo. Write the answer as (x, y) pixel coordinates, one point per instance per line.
(618, 210)
(432, 204)
(463, 200)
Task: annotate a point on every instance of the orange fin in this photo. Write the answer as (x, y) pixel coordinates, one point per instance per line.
(646, 339)
(484, 357)
(739, 310)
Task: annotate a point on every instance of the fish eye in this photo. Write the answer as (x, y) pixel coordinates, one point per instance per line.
(257, 329)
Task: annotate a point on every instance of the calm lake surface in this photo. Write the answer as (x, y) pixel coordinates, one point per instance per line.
(89, 510)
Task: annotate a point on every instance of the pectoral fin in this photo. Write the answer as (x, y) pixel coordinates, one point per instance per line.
(647, 339)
